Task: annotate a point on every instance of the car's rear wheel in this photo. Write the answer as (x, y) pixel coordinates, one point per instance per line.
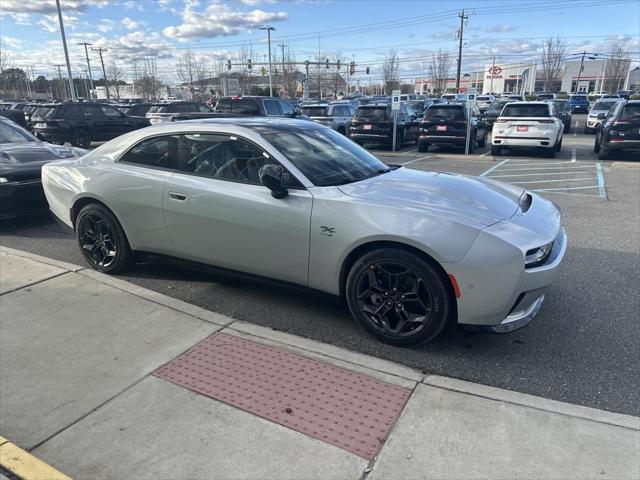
(559, 146)
(483, 141)
(496, 150)
(81, 138)
(596, 146)
(567, 128)
(423, 146)
(398, 297)
(102, 240)
(604, 153)
(551, 152)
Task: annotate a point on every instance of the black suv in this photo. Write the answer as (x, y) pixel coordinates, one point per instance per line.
(373, 123)
(82, 123)
(563, 112)
(256, 106)
(619, 129)
(135, 109)
(447, 125)
(493, 112)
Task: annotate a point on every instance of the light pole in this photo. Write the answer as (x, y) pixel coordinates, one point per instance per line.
(269, 29)
(66, 53)
(86, 53)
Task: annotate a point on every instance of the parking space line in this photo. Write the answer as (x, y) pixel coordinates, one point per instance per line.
(487, 172)
(562, 188)
(575, 129)
(601, 189)
(573, 155)
(534, 162)
(538, 174)
(568, 166)
(416, 160)
(408, 151)
(485, 154)
(555, 181)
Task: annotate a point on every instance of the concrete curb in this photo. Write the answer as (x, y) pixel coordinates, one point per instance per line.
(531, 401)
(26, 466)
(49, 261)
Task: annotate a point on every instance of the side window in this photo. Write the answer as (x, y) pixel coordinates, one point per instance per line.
(286, 108)
(93, 110)
(271, 107)
(73, 110)
(157, 152)
(110, 111)
(202, 108)
(219, 156)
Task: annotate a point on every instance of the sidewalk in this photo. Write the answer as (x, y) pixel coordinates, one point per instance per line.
(102, 379)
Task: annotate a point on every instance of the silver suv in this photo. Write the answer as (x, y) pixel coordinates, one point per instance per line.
(598, 112)
(336, 115)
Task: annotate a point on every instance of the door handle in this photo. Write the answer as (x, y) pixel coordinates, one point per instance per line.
(181, 197)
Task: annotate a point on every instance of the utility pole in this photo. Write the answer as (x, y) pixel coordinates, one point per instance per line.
(61, 83)
(463, 17)
(284, 82)
(86, 52)
(106, 82)
(269, 29)
(580, 71)
(66, 53)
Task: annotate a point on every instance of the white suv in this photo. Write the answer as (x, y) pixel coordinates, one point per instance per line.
(527, 125)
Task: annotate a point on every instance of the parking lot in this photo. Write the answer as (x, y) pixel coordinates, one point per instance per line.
(582, 348)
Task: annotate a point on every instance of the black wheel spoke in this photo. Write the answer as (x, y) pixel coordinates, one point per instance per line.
(97, 240)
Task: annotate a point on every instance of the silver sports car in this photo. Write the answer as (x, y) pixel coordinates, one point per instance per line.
(297, 202)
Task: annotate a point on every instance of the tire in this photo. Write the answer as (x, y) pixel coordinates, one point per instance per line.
(80, 138)
(604, 153)
(471, 145)
(483, 141)
(415, 312)
(423, 146)
(559, 146)
(97, 231)
(496, 150)
(567, 129)
(551, 152)
(596, 146)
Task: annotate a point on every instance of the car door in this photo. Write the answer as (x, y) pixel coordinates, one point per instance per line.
(217, 212)
(116, 122)
(481, 126)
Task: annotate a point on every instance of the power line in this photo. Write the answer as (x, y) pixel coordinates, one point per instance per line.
(106, 82)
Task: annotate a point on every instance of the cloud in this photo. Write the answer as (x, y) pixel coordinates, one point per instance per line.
(500, 28)
(129, 24)
(11, 42)
(106, 25)
(51, 24)
(16, 7)
(219, 20)
(256, 2)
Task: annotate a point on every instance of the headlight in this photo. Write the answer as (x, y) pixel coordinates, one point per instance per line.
(537, 256)
(4, 180)
(40, 125)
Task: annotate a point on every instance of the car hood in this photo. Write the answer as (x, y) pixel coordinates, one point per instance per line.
(471, 200)
(32, 155)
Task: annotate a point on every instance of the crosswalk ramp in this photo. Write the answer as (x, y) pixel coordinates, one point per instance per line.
(562, 177)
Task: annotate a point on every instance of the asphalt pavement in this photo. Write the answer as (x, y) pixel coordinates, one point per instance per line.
(582, 348)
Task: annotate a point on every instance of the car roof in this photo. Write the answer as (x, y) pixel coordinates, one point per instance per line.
(260, 124)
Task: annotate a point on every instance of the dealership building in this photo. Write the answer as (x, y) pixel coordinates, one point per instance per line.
(521, 78)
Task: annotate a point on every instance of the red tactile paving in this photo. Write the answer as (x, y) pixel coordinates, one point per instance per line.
(351, 411)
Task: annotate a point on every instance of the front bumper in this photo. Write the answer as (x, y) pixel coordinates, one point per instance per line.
(593, 124)
(497, 293)
(20, 198)
(51, 135)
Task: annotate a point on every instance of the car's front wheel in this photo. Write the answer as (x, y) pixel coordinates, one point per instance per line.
(398, 297)
(81, 138)
(102, 240)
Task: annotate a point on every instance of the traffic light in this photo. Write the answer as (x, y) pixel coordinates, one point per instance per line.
(249, 64)
(368, 70)
(326, 62)
(352, 68)
(228, 64)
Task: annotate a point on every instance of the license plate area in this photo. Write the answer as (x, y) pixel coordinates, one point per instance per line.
(522, 128)
(366, 127)
(441, 128)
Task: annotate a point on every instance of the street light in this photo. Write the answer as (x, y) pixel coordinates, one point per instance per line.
(269, 28)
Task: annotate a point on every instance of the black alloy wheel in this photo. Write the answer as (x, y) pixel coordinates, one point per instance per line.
(80, 138)
(102, 240)
(398, 297)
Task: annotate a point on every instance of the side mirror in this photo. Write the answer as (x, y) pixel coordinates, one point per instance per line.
(602, 116)
(271, 176)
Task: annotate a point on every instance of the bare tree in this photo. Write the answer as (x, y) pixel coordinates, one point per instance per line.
(553, 53)
(390, 68)
(5, 58)
(245, 78)
(439, 71)
(191, 71)
(148, 82)
(336, 79)
(618, 63)
(115, 77)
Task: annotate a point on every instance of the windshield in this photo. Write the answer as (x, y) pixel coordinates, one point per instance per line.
(315, 111)
(375, 113)
(43, 112)
(581, 98)
(158, 109)
(548, 96)
(326, 157)
(600, 105)
(524, 110)
(446, 113)
(13, 133)
(563, 106)
(497, 105)
(484, 99)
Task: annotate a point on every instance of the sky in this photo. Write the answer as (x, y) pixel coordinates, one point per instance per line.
(362, 31)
